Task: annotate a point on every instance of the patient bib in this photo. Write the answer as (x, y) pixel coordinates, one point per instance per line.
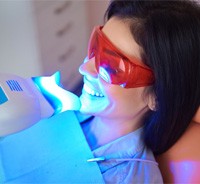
(52, 151)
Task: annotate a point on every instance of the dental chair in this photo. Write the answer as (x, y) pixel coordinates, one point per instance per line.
(181, 163)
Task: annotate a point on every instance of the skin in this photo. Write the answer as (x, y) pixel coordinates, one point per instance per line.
(197, 116)
(120, 111)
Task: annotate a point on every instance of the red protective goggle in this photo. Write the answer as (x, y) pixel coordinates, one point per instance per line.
(113, 66)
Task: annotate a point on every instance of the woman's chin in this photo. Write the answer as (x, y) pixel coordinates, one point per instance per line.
(91, 105)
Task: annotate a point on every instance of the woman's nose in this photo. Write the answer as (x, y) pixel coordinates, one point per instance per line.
(88, 68)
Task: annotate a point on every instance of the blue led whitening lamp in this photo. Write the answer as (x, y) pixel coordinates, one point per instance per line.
(60, 99)
(24, 102)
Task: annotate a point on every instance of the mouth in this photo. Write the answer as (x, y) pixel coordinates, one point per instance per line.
(90, 91)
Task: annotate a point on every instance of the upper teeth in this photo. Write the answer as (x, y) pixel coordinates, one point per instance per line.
(91, 92)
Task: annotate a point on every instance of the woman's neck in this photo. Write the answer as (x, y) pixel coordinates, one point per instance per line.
(100, 131)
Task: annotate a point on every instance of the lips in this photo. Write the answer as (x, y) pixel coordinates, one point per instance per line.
(91, 91)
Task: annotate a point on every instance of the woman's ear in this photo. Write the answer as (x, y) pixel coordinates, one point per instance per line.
(196, 117)
(152, 102)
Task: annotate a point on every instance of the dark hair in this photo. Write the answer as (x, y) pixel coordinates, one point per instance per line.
(169, 33)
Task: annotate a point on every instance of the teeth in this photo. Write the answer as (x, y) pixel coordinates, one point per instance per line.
(91, 92)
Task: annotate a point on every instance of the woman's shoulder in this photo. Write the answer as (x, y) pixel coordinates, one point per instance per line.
(181, 163)
(141, 170)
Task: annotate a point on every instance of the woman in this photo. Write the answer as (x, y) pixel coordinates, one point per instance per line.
(118, 105)
(142, 70)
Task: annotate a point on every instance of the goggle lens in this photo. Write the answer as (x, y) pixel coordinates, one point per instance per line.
(114, 67)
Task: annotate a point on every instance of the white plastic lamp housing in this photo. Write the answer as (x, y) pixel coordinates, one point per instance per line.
(20, 104)
(24, 102)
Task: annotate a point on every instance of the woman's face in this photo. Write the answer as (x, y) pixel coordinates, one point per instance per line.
(100, 98)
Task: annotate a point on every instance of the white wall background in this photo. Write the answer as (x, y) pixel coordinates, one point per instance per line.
(20, 51)
(18, 43)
